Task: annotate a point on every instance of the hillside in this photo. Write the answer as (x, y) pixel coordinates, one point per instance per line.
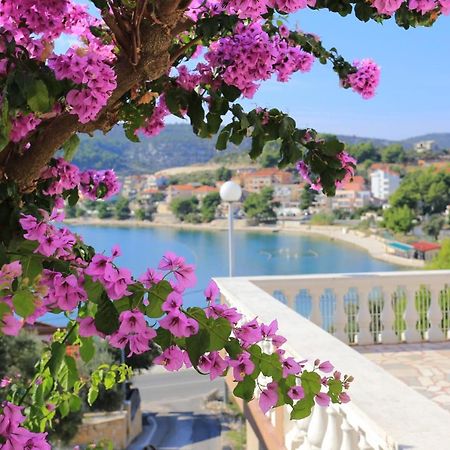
(177, 146)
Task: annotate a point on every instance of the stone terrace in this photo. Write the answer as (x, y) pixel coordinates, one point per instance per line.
(425, 367)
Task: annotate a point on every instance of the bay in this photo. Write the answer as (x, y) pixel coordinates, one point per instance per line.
(255, 253)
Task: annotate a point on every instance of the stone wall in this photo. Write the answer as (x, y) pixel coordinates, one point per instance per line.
(116, 427)
(105, 426)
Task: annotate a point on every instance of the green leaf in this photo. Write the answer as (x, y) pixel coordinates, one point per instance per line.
(311, 382)
(5, 124)
(220, 332)
(197, 345)
(302, 408)
(245, 389)
(270, 366)
(73, 197)
(233, 348)
(107, 317)
(75, 403)
(23, 302)
(64, 408)
(163, 338)
(32, 267)
(214, 121)
(156, 297)
(70, 147)
(93, 289)
(231, 93)
(92, 395)
(87, 349)
(37, 96)
(222, 139)
(58, 350)
(4, 309)
(195, 110)
(110, 380)
(334, 389)
(68, 375)
(100, 4)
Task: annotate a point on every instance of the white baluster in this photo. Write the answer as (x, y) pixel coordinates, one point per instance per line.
(299, 432)
(411, 316)
(291, 295)
(363, 444)
(388, 335)
(365, 337)
(340, 317)
(316, 316)
(349, 436)
(333, 436)
(435, 316)
(316, 429)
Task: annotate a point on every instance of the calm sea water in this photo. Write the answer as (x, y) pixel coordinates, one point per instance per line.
(256, 253)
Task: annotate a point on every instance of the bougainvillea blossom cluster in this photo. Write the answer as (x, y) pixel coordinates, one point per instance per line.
(15, 436)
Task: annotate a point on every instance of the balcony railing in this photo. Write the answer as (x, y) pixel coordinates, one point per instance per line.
(370, 308)
(358, 309)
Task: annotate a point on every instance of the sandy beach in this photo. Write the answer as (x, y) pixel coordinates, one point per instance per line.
(375, 245)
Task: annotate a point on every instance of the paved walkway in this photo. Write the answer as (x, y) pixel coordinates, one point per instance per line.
(424, 367)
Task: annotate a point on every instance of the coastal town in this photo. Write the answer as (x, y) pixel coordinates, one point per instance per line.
(384, 199)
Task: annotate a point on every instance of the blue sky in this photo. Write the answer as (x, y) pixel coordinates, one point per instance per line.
(413, 96)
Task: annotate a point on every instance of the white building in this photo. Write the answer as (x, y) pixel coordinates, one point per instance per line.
(383, 183)
(426, 146)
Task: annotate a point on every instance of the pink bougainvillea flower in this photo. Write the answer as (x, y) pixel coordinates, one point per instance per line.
(326, 367)
(212, 291)
(322, 399)
(172, 358)
(10, 326)
(184, 273)
(214, 364)
(269, 397)
(290, 367)
(4, 382)
(249, 333)
(344, 397)
(87, 328)
(116, 283)
(178, 324)
(296, 393)
(173, 302)
(231, 314)
(10, 418)
(150, 278)
(242, 366)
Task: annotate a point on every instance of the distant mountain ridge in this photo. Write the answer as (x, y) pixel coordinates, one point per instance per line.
(178, 146)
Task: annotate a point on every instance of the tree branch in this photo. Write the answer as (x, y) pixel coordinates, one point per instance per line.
(52, 134)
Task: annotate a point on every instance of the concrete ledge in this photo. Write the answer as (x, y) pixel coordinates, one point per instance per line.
(386, 406)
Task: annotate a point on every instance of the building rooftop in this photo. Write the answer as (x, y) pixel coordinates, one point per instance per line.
(358, 183)
(384, 167)
(182, 187)
(206, 188)
(423, 246)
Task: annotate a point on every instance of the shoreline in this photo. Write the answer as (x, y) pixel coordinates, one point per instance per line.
(374, 245)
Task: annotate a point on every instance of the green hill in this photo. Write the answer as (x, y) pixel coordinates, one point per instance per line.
(178, 146)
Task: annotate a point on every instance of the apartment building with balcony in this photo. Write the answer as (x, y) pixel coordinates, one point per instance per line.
(383, 182)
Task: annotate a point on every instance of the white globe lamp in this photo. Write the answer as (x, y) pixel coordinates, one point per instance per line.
(230, 192)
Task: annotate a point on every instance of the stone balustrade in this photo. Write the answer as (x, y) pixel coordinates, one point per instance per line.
(384, 413)
(370, 308)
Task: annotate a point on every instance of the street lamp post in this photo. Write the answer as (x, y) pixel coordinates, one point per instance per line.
(230, 192)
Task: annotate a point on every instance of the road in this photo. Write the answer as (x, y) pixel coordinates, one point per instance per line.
(177, 402)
